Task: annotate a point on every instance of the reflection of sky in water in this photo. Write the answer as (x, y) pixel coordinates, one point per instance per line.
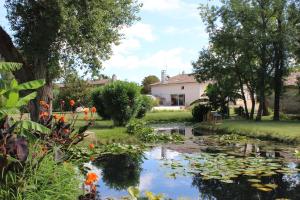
(293, 179)
(154, 178)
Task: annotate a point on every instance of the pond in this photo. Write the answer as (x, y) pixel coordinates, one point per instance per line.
(206, 166)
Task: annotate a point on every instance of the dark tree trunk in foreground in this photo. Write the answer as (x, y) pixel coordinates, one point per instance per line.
(28, 72)
(279, 66)
(252, 97)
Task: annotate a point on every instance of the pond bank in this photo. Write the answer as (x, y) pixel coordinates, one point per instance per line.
(283, 131)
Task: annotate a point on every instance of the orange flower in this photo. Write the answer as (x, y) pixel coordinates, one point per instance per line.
(46, 106)
(44, 114)
(86, 118)
(62, 119)
(66, 131)
(91, 178)
(93, 109)
(55, 116)
(72, 102)
(91, 146)
(93, 187)
(86, 110)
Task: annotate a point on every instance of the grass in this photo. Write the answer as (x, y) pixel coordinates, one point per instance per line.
(168, 116)
(283, 131)
(107, 133)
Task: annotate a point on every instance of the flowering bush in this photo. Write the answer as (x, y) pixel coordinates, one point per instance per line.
(62, 130)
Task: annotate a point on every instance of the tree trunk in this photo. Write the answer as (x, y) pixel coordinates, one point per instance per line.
(263, 66)
(252, 97)
(244, 99)
(11, 54)
(28, 72)
(279, 65)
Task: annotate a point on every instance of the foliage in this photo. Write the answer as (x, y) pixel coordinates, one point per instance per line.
(199, 112)
(147, 81)
(135, 194)
(68, 31)
(74, 87)
(252, 50)
(226, 168)
(52, 180)
(285, 131)
(119, 171)
(10, 98)
(98, 101)
(239, 111)
(220, 94)
(146, 105)
(121, 101)
(146, 133)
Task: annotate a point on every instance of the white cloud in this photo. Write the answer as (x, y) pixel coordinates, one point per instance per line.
(170, 58)
(139, 30)
(182, 8)
(162, 5)
(199, 31)
(146, 181)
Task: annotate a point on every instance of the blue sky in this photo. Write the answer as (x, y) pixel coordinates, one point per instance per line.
(169, 36)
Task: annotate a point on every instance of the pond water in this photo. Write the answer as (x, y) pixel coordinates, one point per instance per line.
(204, 167)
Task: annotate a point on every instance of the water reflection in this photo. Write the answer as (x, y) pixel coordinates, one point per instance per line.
(120, 171)
(241, 189)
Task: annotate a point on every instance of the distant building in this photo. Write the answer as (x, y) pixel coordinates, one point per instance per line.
(179, 90)
(94, 83)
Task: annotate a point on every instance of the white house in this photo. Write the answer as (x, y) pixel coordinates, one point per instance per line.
(179, 90)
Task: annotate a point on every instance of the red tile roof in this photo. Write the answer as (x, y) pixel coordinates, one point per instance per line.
(181, 78)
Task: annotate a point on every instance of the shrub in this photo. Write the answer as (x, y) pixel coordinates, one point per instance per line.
(97, 97)
(145, 133)
(199, 111)
(134, 126)
(121, 101)
(146, 104)
(239, 111)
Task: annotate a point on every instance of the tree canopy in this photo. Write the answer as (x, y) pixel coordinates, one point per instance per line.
(147, 81)
(49, 35)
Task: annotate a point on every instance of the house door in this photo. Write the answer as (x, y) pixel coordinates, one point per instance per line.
(177, 99)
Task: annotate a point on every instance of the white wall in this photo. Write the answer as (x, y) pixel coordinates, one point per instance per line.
(192, 91)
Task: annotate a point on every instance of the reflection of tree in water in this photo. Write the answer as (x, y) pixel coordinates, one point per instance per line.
(120, 171)
(241, 189)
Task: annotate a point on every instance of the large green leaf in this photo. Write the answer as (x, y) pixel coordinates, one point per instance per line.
(9, 66)
(30, 125)
(12, 100)
(31, 85)
(7, 111)
(25, 100)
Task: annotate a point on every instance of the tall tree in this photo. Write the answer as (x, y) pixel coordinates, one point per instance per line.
(147, 81)
(77, 33)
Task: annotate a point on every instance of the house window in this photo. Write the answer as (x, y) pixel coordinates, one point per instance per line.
(182, 87)
(177, 99)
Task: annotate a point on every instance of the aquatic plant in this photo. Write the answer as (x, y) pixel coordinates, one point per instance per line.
(226, 168)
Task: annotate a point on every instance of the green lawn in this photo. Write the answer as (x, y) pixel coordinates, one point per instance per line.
(284, 131)
(106, 132)
(168, 116)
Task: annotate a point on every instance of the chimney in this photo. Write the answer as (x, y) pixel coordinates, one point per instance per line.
(163, 76)
(114, 78)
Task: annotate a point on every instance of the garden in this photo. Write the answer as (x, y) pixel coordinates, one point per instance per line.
(120, 149)
(68, 131)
